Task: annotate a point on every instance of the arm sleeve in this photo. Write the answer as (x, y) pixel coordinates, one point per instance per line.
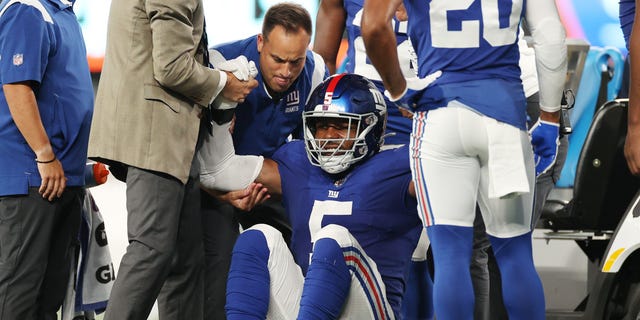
(26, 43)
(220, 167)
(551, 51)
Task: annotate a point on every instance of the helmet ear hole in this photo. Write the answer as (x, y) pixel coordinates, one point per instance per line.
(350, 97)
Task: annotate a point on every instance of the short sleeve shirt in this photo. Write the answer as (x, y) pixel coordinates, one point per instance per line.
(41, 42)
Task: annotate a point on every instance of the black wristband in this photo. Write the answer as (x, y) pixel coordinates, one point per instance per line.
(48, 161)
(222, 116)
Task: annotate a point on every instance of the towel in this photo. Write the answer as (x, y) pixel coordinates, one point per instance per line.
(93, 273)
(507, 170)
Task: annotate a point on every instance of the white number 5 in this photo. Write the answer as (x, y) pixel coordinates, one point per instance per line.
(326, 208)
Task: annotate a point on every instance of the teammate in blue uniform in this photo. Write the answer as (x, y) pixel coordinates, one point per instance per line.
(337, 16)
(352, 211)
(469, 141)
(287, 73)
(46, 105)
(333, 19)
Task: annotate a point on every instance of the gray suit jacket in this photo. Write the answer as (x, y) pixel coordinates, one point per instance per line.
(152, 87)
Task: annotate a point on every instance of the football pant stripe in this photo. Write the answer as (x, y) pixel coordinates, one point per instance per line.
(363, 271)
(422, 194)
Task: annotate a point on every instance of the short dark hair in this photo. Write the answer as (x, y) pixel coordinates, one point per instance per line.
(291, 16)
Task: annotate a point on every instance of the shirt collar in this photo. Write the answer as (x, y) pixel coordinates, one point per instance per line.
(62, 4)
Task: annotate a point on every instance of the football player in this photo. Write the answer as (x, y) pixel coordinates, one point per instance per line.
(470, 142)
(352, 210)
(335, 17)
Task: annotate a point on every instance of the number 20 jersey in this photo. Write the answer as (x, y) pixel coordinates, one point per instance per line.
(474, 44)
(372, 202)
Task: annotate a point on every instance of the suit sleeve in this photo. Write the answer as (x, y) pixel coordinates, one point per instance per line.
(174, 64)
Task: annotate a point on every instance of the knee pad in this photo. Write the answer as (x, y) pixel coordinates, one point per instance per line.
(336, 232)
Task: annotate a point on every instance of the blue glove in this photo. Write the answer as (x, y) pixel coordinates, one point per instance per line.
(414, 86)
(545, 139)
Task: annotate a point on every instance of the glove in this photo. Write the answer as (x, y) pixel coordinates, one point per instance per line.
(545, 139)
(414, 86)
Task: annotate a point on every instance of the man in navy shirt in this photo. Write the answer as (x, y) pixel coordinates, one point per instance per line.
(46, 105)
(271, 114)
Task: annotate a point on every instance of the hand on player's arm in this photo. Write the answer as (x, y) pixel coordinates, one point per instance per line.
(266, 184)
(244, 199)
(240, 79)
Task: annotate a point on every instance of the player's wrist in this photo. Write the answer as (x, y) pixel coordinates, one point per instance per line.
(550, 116)
(45, 153)
(395, 97)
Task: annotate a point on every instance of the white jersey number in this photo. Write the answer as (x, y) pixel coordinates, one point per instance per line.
(406, 55)
(326, 208)
(469, 34)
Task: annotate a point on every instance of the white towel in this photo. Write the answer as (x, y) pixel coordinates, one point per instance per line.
(507, 169)
(93, 272)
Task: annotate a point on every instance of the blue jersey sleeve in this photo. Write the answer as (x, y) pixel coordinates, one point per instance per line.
(28, 41)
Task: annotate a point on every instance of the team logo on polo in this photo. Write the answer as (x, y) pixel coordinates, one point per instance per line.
(292, 100)
(18, 59)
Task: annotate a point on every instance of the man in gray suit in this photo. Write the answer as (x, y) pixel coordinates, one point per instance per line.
(153, 91)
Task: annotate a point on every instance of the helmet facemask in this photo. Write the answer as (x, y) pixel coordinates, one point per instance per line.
(343, 122)
(348, 144)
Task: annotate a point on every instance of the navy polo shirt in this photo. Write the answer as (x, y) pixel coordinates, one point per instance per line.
(264, 123)
(41, 41)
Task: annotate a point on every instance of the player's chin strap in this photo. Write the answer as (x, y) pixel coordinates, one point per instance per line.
(220, 168)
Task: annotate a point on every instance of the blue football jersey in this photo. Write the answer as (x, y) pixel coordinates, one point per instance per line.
(357, 62)
(372, 202)
(627, 14)
(263, 123)
(474, 44)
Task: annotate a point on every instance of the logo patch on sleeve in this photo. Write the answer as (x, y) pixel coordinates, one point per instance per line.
(18, 59)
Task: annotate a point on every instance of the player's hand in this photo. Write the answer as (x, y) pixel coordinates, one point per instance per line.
(406, 100)
(545, 139)
(247, 198)
(53, 180)
(406, 113)
(632, 149)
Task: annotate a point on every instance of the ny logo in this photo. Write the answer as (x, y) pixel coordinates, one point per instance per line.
(293, 98)
(333, 194)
